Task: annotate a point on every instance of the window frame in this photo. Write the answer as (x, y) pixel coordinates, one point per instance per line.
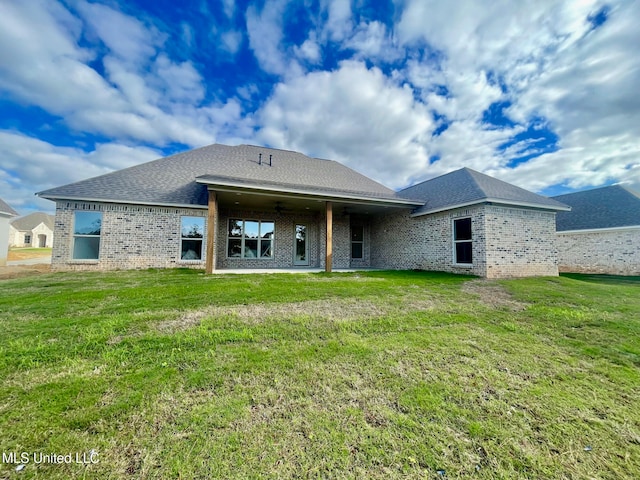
(357, 242)
(27, 239)
(461, 241)
(243, 238)
(191, 239)
(75, 236)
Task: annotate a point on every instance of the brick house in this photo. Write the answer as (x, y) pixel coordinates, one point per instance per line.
(6, 213)
(33, 230)
(226, 207)
(602, 232)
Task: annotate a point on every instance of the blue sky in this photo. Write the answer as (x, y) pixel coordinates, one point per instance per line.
(543, 94)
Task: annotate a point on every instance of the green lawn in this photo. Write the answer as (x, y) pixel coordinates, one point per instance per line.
(173, 374)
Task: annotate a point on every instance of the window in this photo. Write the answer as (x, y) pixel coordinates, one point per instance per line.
(27, 239)
(357, 241)
(250, 239)
(86, 235)
(192, 233)
(462, 241)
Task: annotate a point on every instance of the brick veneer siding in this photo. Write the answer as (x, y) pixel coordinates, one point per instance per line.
(401, 242)
(507, 242)
(284, 231)
(520, 242)
(136, 236)
(615, 252)
(132, 236)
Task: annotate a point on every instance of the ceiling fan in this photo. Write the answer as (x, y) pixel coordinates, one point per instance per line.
(279, 208)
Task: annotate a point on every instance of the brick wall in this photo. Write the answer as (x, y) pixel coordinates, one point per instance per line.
(135, 236)
(426, 242)
(520, 242)
(284, 231)
(507, 242)
(132, 236)
(615, 252)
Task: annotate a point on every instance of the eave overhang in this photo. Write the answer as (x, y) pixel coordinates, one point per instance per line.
(71, 198)
(232, 185)
(494, 201)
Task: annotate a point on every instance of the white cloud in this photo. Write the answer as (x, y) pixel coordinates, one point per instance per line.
(265, 35)
(179, 82)
(339, 23)
(30, 165)
(229, 7)
(231, 41)
(310, 50)
(552, 64)
(372, 41)
(355, 115)
(41, 64)
(125, 37)
(188, 34)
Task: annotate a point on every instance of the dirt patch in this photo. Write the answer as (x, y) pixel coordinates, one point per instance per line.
(17, 271)
(28, 253)
(493, 295)
(335, 309)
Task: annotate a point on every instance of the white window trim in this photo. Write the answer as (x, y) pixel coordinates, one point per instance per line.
(243, 238)
(202, 248)
(454, 242)
(74, 236)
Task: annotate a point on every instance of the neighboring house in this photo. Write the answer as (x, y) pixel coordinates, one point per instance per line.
(6, 213)
(601, 234)
(223, 207)
(33, 230)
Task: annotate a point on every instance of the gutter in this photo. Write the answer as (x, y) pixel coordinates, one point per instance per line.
(295, 192)
(124, 202)
(598, 230)
(495, 201)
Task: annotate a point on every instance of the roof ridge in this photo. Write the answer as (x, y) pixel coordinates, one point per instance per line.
(472, 173)
(603, 187)
(270, 148)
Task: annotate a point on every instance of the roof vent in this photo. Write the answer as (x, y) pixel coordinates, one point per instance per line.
(260, 160)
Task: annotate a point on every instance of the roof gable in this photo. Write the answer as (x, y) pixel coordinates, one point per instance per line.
(172, 180)
(31, 221)
(467, 187)
(606, 207)
(6, 210)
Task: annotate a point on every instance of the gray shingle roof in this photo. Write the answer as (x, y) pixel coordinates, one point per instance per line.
(6, 209)
(172, 180)
(467, 187)
(31, 221)
(605, 207)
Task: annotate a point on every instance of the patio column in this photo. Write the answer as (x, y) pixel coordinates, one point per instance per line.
(212, 218)
(329, 254)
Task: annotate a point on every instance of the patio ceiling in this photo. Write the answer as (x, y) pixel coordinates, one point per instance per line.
(301, 203)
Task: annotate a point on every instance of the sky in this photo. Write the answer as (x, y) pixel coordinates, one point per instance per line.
(542, 94)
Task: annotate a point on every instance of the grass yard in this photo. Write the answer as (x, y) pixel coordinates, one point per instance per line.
(171, 374)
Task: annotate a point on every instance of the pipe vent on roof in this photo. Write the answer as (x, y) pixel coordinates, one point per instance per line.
(270, 160)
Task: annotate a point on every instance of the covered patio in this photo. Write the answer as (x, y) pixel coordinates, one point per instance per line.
(275, 227)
